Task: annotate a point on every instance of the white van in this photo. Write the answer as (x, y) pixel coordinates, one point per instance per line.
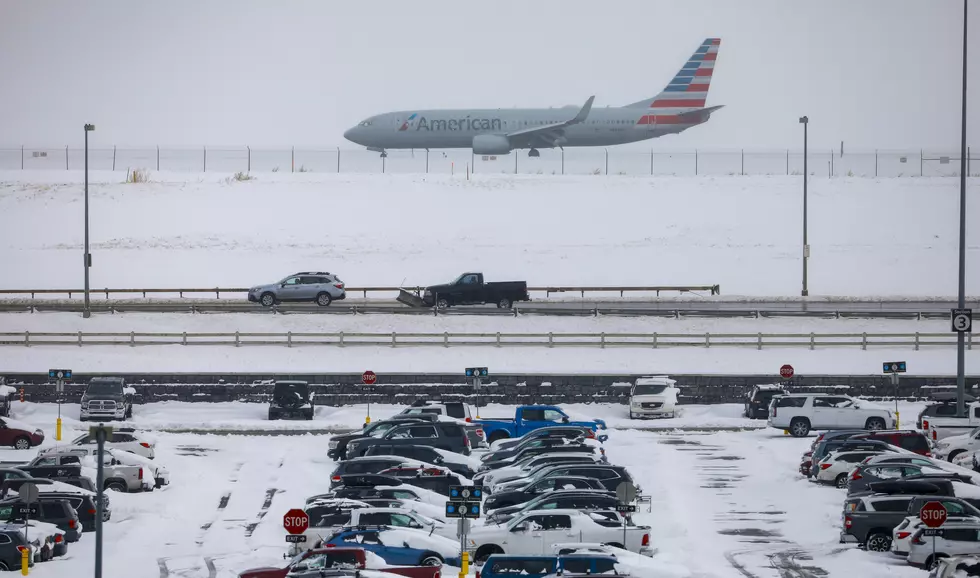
(654, 396)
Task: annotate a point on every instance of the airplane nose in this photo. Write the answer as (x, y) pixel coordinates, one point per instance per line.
(351, 135)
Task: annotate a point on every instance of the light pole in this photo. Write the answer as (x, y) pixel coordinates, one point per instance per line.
(86, 313)
(961, 336)
(806, 248)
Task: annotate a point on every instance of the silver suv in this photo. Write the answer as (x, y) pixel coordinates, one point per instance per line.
(321, 288)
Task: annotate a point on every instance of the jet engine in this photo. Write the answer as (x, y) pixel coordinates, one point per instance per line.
(491, 144)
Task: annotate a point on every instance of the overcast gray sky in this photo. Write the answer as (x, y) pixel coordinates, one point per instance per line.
(874, 73)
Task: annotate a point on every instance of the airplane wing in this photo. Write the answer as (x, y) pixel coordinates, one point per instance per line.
(549, 134)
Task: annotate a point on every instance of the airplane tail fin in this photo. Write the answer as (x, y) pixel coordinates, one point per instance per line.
(689, 87)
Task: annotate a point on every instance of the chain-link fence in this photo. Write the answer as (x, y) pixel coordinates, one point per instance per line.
(573, 161)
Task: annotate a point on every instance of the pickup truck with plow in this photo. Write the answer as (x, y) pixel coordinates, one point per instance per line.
(467, 289)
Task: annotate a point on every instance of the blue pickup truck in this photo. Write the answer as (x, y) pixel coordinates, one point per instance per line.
(528, 418)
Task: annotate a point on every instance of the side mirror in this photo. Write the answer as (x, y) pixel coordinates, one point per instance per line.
(564, 419)
(521, 528)
(301, 567)
(439, 460)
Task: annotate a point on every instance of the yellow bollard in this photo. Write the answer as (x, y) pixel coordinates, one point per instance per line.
(57, 430)
(785, 432)
(898, 422)
(466, 565)
(25, 560)
(367, 419)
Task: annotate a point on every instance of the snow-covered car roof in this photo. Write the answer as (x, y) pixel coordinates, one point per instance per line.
(17, 424)
(420, 539)
(768, 386)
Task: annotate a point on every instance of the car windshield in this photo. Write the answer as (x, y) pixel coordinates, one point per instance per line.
(285, 391)
(648, 388)
(104, 388)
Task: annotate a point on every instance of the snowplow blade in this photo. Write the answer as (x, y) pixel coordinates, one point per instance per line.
(409, 298)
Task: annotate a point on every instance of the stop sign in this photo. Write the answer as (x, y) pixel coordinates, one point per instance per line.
(296, 521)
(933, 514)
(786, 371)
(369, 377)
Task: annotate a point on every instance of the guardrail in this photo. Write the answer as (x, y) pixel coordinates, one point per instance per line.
(602, 340)
(714, 289)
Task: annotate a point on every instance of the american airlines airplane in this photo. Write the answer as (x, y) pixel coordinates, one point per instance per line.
(677, 108)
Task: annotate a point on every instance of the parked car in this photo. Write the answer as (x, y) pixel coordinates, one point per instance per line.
(365, 465)
(609, 476)
(909, 440)
(528, 418)
(860, 477)
(956, 567)
(291, 399)
(123, 438)
(399, 546)
(562, 431)
(540, 447)
(399, 518)
(337, 446)
(846, 444)
(530, 491)
(455, 410)
(339, 557)
(957, 537)
(952, 446)
(902, 534)
(525, 468)
(106, 398)
(19, 435)
(504, 566)
(834, 467)
(800, 413)
(653, 397)
(320, 287)
(940, 427)
(454, 462)
(758, 399)
(943, 405)
(581, 500)
(467, 289)
(116, 475)
(530, 532)
(13, 479)
(442, 434)
(12, 543)
(56, 511)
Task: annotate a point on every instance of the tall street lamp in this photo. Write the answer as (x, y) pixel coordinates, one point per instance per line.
(960, 335)
(87, 312)
(806, 247)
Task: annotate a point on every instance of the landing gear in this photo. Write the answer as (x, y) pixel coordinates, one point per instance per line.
(533, 153)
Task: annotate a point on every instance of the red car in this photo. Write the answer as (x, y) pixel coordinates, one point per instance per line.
(19, 435)
(907, 439)
(323, 558)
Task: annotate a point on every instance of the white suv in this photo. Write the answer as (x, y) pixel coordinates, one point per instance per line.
(956, 538)
(800, 413)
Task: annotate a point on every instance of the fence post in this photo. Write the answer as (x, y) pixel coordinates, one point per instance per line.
(760, 341)
(445, 338)
(383, 159)
(184, 339)
(21, 157)
(651, 162)
(864, 341)
(607, 161)
(831, 162)
(342, 339)
(812, 344)
(602, 340)
(338, 159)
(393, 340)
(743, 162)
(654, 339)
(289, 339)
(27, 339)
(876, 162)
(968, 159)
(707, 340)
(79, 338)
(516, 154)
(498, 339)
(292, 159)
(787, 162)
(249, 149)
(205, 159)
(563, 160)
(66, 157)
(920, 162)
(695, 162)
(113, 157)
(132, 339)
(158, 157)
(238, 341)
(551, 339)
(426, 162)
(916, 340)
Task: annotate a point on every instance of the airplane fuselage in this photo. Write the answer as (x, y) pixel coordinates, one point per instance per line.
(444, 129)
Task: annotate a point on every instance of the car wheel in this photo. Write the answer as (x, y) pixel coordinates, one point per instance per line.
(117, 486)
(22, 443)
(841, 481)
(323, 299)
(430, 560)
(953, 454)
(799, 427)
(268, 299)
(878, 543)
(4, 567)
(875, 424)
(485, 552)
(504, 303)
(442, 304)
(614, 545)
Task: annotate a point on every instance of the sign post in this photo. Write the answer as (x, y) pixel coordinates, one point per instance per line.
(369, 378)
(464, 503)
(786, 371)
(625, 493)
(28, 493)
(60, 376)
(101, 433)
(893, 368)
(477, 374)
(933, 516)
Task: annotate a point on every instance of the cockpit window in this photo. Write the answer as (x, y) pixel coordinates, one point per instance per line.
(365, 123)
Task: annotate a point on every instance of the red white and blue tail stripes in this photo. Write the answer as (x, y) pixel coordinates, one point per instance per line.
(689, 87)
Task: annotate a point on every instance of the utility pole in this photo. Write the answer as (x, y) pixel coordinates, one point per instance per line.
(87, 312)
(961, 335)
(101, 433)
(806, 247)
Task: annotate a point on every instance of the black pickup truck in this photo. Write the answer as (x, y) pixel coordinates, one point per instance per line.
(467, 289)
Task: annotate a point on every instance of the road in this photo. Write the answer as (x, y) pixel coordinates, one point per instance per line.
(853, 308)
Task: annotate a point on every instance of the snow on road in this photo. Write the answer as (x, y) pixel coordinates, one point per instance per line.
(718, 500)
(867, 236)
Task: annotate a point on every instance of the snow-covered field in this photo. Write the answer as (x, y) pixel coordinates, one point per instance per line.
(719, 499)
(867, 236)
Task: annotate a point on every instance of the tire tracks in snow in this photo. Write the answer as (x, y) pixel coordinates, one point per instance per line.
(270, 494)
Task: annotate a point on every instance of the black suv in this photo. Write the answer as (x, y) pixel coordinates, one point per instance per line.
(337, 447)
(291, 399)
(425, 454)
(757, 401)
(11, 540)
(52, 511)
